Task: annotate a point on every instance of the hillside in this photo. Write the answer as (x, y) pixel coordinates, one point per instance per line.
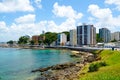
(109, 72)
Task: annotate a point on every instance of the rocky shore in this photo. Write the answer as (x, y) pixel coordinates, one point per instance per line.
(66, 71)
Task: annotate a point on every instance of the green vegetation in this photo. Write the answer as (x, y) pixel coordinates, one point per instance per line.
(49, 37)
(32, 42)
(114, 40)
(95, 66)
(23, 40)
(109, 72)
(10, 42)
(98, 39)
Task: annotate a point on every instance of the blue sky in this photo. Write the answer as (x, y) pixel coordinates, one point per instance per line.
(30, 17)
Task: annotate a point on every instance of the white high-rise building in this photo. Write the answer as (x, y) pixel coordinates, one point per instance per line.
(73, 37)
(61, 39)
(115, 36)
(112, 36)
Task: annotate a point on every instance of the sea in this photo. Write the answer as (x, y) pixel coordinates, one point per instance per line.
(17, 64)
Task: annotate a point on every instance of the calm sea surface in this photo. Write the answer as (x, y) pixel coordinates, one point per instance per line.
(16, 64)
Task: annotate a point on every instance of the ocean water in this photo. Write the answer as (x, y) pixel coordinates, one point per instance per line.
(16, 64)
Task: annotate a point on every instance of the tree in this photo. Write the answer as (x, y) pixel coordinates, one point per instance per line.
(40, 42)
(32, 42)
(10, 42)
(49, 37)
(98, 39)
(114, 40)
(23, 40)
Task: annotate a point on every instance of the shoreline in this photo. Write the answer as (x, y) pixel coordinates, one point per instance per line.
(66, 71)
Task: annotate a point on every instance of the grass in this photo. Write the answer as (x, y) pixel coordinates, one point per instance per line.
(95, 66)
(109, 72)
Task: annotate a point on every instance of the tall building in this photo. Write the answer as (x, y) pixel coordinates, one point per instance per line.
(112, 36)
(105, 34)
(115, 36)
(61, 39)
(73, 37)
(86, 35)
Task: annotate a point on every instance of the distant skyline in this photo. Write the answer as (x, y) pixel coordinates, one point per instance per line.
(31, 17)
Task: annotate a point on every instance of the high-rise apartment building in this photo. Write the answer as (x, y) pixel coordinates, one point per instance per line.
(61, 39)
(73, 37)
(115, 36)
(86, 35)
(105, 35)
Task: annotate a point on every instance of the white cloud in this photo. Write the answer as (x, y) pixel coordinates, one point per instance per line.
(91, 19)
(26, 25)
(99, 13)
(26, 19)
(16, 30)
(66, 11)
(72, 17)
(65, 26)
(15, 5)
(115, 2)
(104, 17)
(3, 27)
(38, 3)
(68, 24)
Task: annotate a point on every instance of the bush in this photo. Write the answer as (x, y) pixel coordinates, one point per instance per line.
(102, 64)
(95, 66)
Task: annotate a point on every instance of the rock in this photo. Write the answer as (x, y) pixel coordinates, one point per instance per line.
(41, 69)
(80, 65)
(75, 55)
(66, 71)
(62, 66)
(90, 58)
(56, 67)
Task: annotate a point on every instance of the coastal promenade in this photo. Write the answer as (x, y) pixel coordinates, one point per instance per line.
(85, 49)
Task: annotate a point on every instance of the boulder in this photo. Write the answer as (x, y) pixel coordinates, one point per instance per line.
(90, 58)
(62, 66)
(41, 69)
(75, 55)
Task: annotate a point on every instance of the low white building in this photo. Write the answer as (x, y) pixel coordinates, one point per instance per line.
(109, 45)
(112, 44)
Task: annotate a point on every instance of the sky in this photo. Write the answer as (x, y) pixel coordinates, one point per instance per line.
(31, 17)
